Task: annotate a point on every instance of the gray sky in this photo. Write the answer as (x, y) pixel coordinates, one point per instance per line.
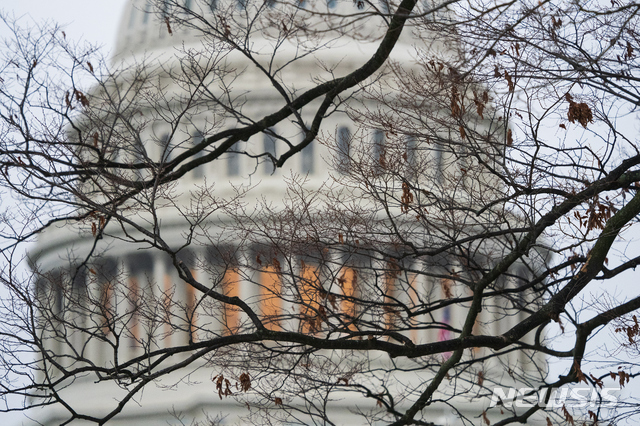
(95, 21)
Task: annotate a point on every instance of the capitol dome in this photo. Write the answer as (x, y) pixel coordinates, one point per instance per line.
(200, 194)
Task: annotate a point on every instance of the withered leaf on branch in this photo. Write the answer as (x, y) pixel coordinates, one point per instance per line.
(578, 111)
(509, 80)
(245, 382)
(485, 418)
(407, 197)
(223, 386)
(567, 416)
(80, 97)
(579, 373)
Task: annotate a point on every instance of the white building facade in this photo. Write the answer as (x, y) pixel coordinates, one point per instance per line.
(135, 301)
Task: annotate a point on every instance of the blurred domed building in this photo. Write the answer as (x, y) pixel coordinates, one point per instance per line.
(174, 87)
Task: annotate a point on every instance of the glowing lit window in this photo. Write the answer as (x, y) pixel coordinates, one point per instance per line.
(271, 297)
(391, 291)
(134, 295)
(348, 282)
(231, 313)
(310, 294)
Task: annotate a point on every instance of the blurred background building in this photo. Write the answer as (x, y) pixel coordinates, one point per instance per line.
(125, 275)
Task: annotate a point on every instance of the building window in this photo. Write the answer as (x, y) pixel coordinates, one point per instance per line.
(165, 145)
(139, 267)
(379, 151)
(139, 156)
(192, 315)
(196, 138)
(167, 300)
(307, 159)
(309, 298)
(132, 17)
(187, 4)
(348, 282)
(242, 4)
(392, 296)
(269, 147)
(271, 297)
(384, 6)
(107, 274)
(147, 12)
(213, 5)
(233, 161)
(344, 146)
(411, 148)
(438, 163)
(231, 314)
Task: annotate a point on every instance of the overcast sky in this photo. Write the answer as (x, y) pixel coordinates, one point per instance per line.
(95, 21)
